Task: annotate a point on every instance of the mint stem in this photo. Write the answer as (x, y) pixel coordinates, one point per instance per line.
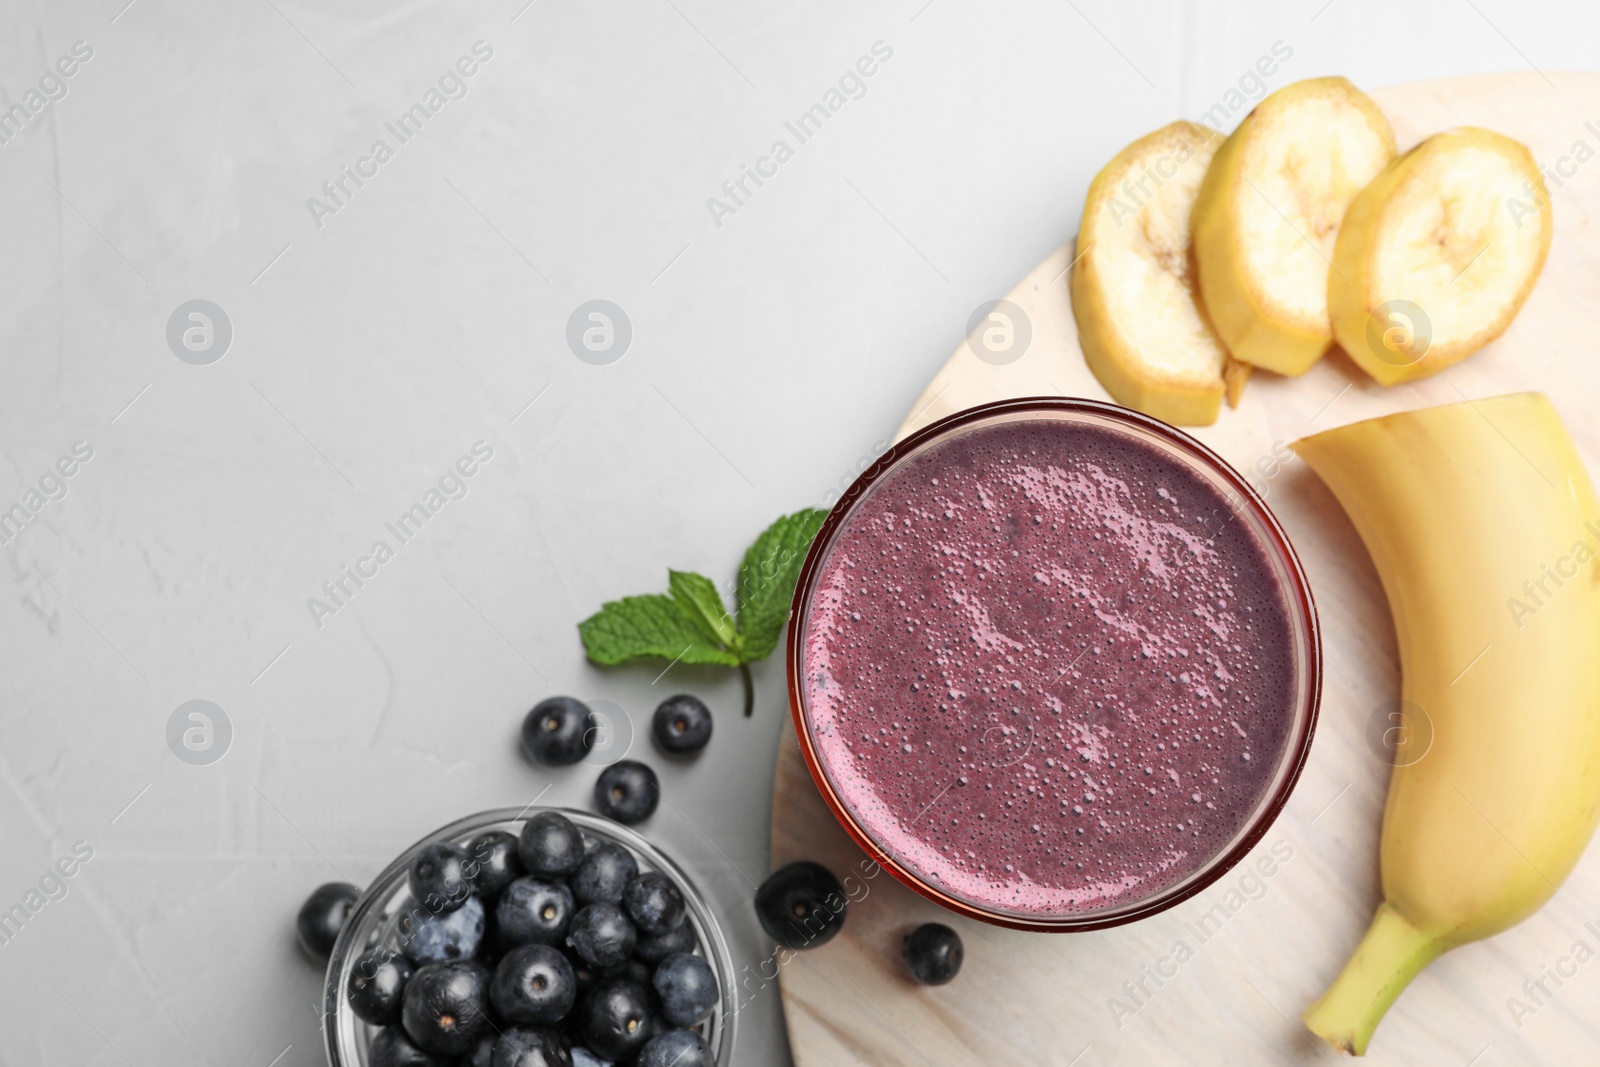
(749, 690)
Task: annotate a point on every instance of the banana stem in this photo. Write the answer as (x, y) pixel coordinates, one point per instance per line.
(1389, 956)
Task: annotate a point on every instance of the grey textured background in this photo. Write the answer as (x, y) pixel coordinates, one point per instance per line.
(769, 355)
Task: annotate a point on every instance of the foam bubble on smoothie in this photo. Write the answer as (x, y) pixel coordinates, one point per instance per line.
(1047, 669)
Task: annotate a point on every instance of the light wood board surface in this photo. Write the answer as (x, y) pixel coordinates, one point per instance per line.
(1048, 999)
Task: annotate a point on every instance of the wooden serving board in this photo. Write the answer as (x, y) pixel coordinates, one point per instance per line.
(1235, 998)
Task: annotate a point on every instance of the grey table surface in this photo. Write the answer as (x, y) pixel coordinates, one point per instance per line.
(362, 336)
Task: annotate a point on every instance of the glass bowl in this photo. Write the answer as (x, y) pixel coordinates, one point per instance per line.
(372, 922)
(1247, 507)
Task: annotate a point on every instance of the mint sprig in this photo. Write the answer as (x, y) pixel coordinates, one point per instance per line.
(690, 624)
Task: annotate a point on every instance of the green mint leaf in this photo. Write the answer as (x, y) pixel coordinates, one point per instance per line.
(637, 627)
(767, 577)
(699, 597)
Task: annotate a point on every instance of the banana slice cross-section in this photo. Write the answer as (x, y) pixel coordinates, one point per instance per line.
(1267, 218)
(1140, 324)
(1437, 255)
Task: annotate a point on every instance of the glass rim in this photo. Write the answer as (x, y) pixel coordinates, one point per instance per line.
(1305, 637)
(369, 917)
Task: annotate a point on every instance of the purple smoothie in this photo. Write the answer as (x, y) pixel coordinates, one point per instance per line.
(1044, 671)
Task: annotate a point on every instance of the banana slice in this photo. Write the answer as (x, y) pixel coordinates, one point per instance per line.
(1437, 255)
(1268, 214)
(1140, 324)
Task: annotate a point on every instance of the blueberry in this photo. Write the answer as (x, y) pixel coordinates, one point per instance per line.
(688, 989)
(587, 974)
(525, 1046)
(627, 791)
(801, 906)
(447, 1006)
(615, 1018)
(533, 984)
(634, 970)
(933, 952)
(550, 846)
(602, 936)
(392, 1048)
(533, 912)
(377, 986)
(682, 724)
(582, 1057)
(559, 731)
(495, 859)
(653, 948)
(455, 935)
(675, 1048)
(481, 1054)
(605, 873)
(322, 916)
(440, 877)
(654, 903)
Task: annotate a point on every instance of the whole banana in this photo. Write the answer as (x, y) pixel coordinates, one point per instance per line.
(1484, 529)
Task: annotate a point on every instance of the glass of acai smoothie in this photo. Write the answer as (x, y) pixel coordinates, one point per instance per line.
(1054, 664)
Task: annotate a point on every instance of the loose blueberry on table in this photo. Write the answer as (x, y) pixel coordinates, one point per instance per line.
(802, 905)
(627, 791)
(323, 915)
(682, 724)
(559, 731)
(934, 953)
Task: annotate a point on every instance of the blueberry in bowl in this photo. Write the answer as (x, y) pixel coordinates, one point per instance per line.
(442, 876)
(377, 986)
(550, 845)
(603, 936)
(446, 1007)
(675, 1048)
(533, 911)
(604, 875)
(535, 985)
(495, 862)
(654, 903)
(487, 977)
